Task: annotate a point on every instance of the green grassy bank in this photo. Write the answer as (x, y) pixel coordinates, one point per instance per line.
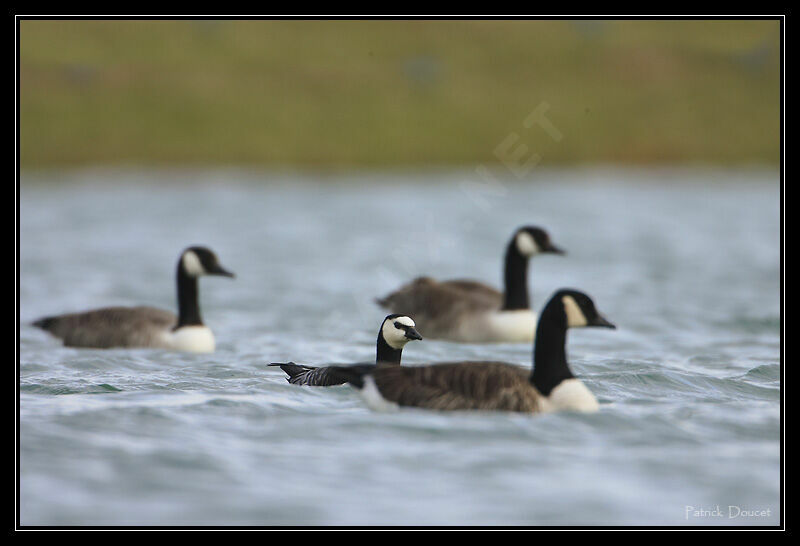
(341, 94)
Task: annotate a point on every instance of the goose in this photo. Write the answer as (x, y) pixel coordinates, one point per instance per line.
(146, 326)
(487, 386)
(395, 331)
(470, 311)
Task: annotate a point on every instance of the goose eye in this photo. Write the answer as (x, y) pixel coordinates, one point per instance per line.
(398, 326)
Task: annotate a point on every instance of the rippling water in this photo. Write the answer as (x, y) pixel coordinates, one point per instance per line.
(685, 263)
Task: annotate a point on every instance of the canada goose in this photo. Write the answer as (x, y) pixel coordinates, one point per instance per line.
(146, 326)
(550, 386)
(472, 312)
(395, 332)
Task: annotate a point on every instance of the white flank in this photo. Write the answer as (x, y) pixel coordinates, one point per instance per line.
(372, 396)
(194, 339)
(504, 327)
(572, 395)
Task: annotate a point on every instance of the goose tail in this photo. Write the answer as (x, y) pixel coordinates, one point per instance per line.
(350, 374)
(291, 369)
(45, 323)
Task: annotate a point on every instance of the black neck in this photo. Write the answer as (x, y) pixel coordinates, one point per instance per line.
(386, 354)
(188, 305)
(516, 279)
(549, 352)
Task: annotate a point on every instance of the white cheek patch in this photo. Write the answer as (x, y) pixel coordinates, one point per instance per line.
(526, 244)
(395, 337)
(192, 265)
(575, 317)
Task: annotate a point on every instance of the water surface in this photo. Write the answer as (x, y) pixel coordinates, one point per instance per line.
(686, 263)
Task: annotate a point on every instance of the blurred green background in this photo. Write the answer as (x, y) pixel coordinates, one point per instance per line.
(372, 94)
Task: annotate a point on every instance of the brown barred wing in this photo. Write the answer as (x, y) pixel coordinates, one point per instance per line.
(460, 386)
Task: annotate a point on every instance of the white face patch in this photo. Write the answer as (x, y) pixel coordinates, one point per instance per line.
(575, 317)
(191, 264)
(394, 336)
(526, 244)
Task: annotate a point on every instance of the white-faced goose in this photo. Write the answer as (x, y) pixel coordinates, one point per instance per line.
(498, 386)
(146, 326)
(394, 333)
(470, 311)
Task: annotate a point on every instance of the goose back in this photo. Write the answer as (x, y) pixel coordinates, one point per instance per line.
(438, 307)
(488, 386)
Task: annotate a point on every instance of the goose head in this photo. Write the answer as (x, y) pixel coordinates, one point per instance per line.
(579, 310)
(397, 330)
(197, 261)
(531, 240)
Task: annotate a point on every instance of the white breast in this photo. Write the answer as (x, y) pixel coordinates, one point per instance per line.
(195, 339)
(372, 396)
(571, 395)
